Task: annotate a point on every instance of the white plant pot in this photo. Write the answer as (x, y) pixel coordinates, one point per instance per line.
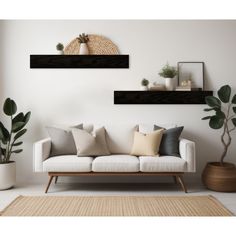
(144, 88)
(7, 175)
(170, 84)
(83, 50)
(61, 52)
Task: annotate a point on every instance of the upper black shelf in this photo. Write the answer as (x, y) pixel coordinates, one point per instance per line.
(161, 97)
(79, 61)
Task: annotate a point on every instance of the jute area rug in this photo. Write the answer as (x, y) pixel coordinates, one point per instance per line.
(115, 206)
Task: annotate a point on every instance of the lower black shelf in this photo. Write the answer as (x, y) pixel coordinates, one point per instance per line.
(161, 97)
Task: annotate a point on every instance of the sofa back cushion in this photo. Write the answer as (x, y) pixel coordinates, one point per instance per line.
(120, 138)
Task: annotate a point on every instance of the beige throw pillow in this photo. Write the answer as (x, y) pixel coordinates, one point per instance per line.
(147, 144)
(88, 144)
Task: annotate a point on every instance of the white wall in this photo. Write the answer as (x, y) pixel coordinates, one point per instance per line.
(75, 95)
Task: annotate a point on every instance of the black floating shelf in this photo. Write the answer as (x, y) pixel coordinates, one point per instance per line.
(79, 61)
(161, 97)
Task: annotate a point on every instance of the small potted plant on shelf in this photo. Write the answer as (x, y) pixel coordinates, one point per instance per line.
(83, 40)
(144, 84)
(60, 48)
(221, 176)
(9, 143)
(168, 72)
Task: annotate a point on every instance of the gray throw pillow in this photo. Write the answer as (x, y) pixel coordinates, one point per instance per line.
(62, 140)
(170, 141)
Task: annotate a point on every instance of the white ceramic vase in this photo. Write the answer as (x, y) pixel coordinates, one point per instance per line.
(83, 50)
(170, 84)
(7, 175)
(144, 88)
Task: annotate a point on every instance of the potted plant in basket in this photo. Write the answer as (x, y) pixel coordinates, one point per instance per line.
(221, 176)
(144, 84)
(83, 39)
(168, 72)
(9, 142)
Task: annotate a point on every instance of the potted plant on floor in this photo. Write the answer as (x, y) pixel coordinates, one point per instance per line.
(221, 176)
(9, 143)
(169, 73)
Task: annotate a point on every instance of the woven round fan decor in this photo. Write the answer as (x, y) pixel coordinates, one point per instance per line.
(97, 45)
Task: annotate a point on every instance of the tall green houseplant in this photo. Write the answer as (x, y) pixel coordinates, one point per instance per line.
(9, 138)
(224, 108)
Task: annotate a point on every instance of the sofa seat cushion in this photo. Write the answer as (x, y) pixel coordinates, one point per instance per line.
(162, 164)
(116, 163)
(68, 163)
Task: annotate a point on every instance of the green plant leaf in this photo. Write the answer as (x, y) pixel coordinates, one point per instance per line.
(212, 101)
(216, 122)
(209, 109)
(27, 117)
(17, 144)
(20, 133)
(17, 118)
(224, 93)
(17, 126)
(206, 118)
(1, 134)
(3, 150)
(220, 114)
(234, 109)
(4, 134)
(234, 121)
(234, 99)
(17, 151)
(9, 107)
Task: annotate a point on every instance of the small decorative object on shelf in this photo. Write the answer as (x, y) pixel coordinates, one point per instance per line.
(157, 87)
(183, 88)
(191, 71)
(60, 48)
(97, 45)
(9, 143)
(221, 176)
(169, 73)
(83, 39)
(144, 85)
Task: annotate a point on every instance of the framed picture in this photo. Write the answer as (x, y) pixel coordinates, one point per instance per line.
(191, 71)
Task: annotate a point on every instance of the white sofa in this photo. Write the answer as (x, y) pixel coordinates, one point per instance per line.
(120, 162)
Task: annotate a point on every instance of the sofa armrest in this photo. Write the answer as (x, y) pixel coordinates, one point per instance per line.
(41, 152)
(187, 152)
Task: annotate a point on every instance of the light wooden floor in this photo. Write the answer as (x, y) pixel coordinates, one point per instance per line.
(65, 189)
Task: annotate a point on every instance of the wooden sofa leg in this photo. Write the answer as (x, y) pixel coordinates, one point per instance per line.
(49, 182)
(175, 179)
(181, 181)
(56, 178)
